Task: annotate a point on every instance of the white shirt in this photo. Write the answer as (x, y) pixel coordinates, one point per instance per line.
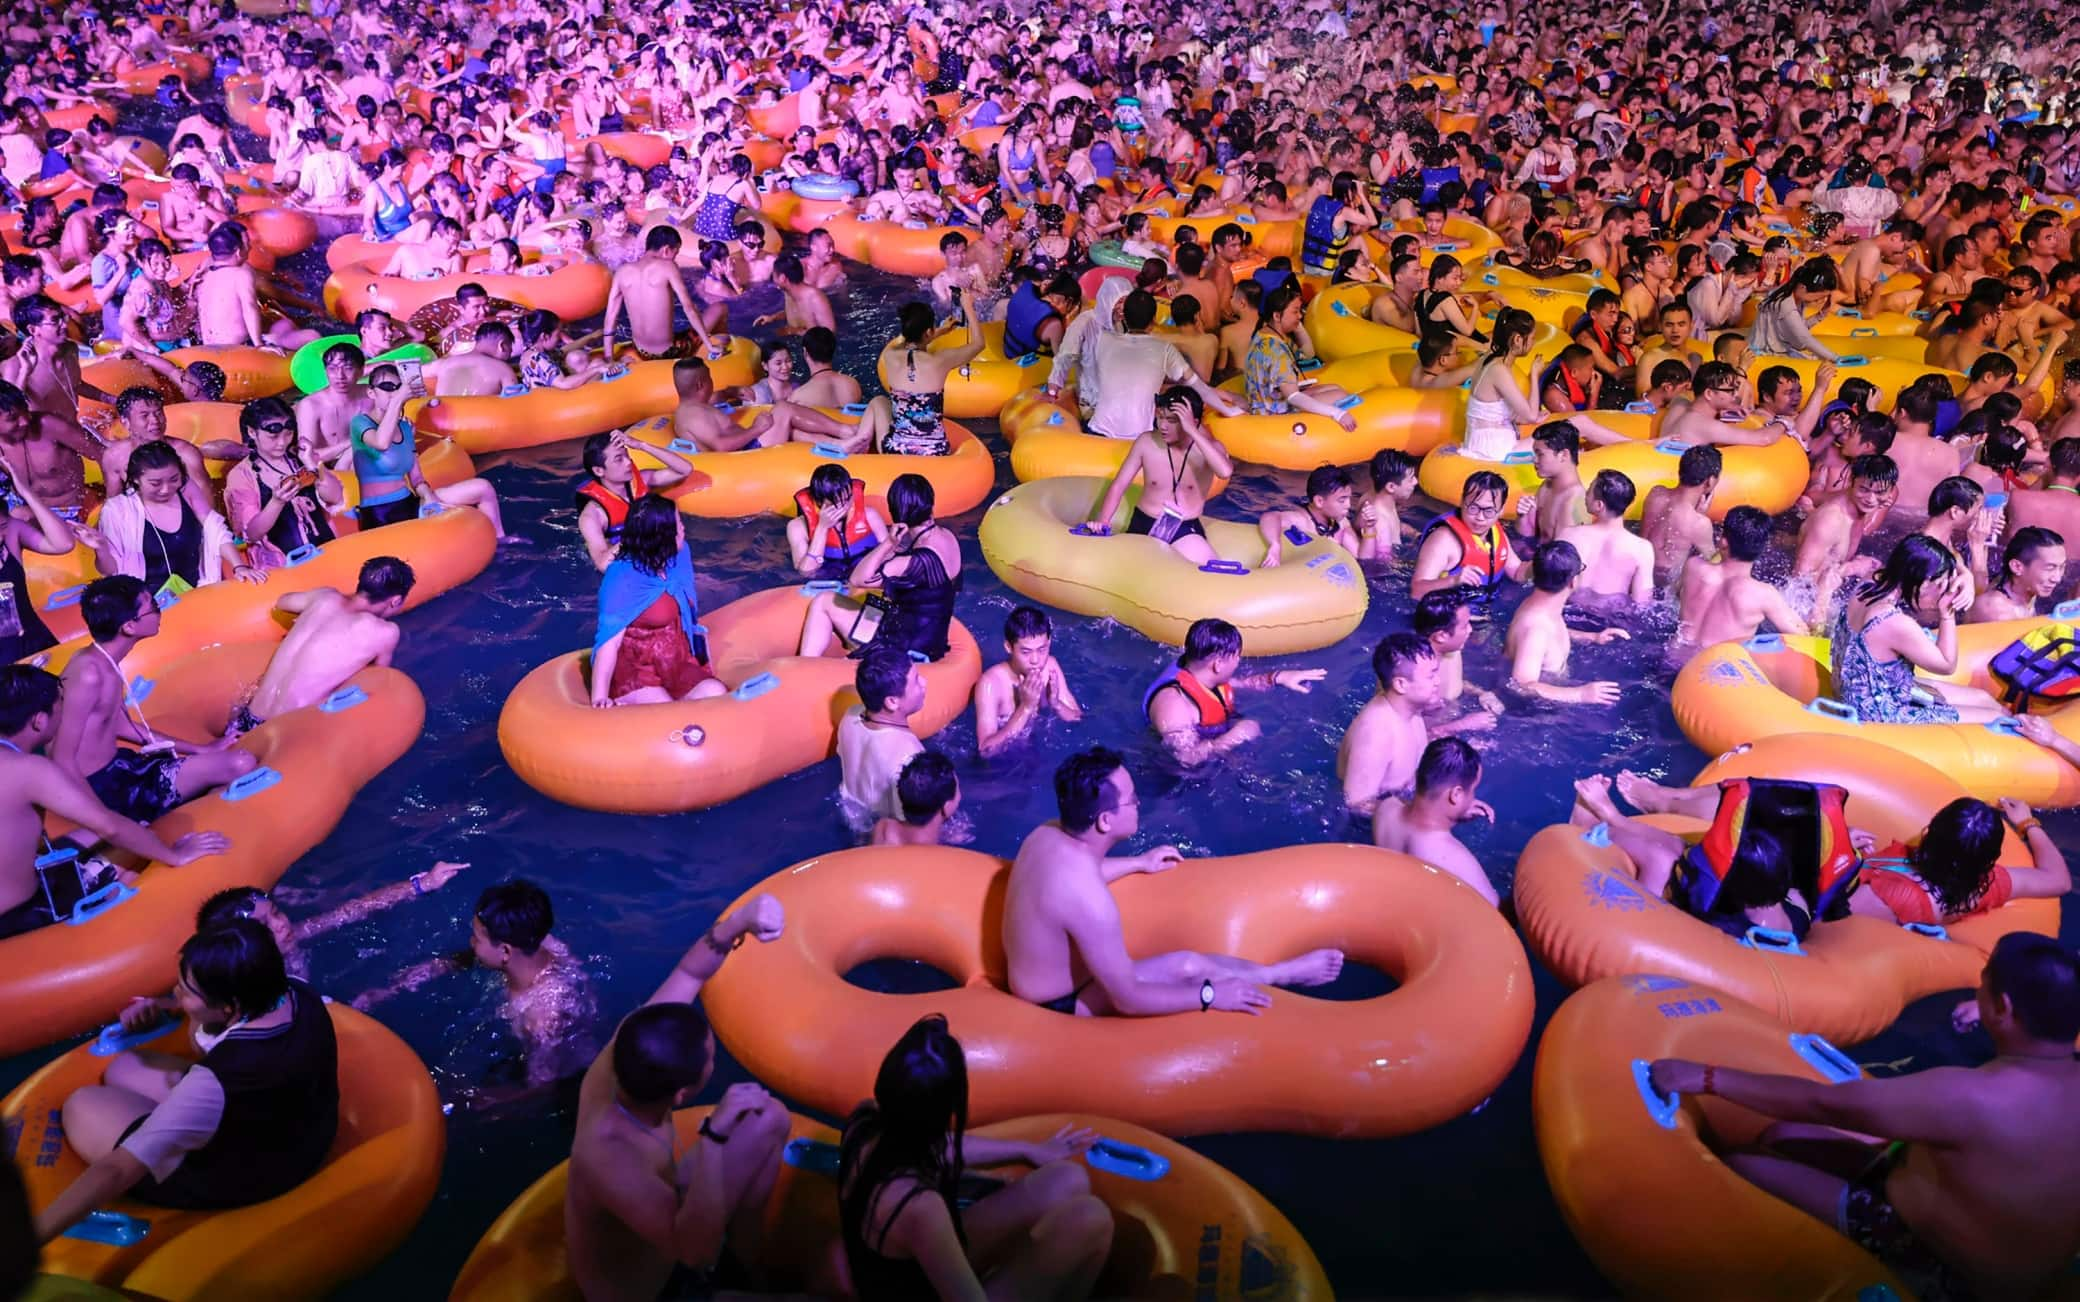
(870, 759)
(184, 1122)
(1125, 374)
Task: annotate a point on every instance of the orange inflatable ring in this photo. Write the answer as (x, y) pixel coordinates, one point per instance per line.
(1182, 1226)
(1770, 477)
(1739, 692)
(572, 292)
(374, 1186)
(904, 248)
(1268, 237)
(642, 148)
(1417, 1057)
(445, 551)
(1584, 916)
(979, 390)
(1336, 321)
(780, 716)
(549, 415)
(249, 373)
(1647, 1196)
(65, 978)
(188, 65)
(74, 117)
(281, 231)
(756, 481)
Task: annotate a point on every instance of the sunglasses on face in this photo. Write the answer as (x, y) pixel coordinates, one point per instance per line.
(391, 386)
(274, 427)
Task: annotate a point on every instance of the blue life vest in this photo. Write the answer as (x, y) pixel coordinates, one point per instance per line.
(1023, 316)
(1320, 245)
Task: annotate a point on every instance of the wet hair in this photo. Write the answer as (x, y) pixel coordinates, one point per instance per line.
(1138, 312)
(516, 912)
(914, 1126)
(2024, 546)
(1483, 483)
(228, 905)
(829, 484)
(1758, 877)
(1024, 622)
(1993, 366)
(1957, 853)
(1447, 762)
(1772, 379)
(1747, 533)
(819, 344)
(138, 395)
(226, 239)
(1083, 787)
(1397, 655)
(661, 1049)
(881, 676)
(1669, 371)
(914, 320)
(1436, 611)
(924, 787)
(235, 965)
(1613, 491)
(1326, 479)
(2065, 458)
(650, 534)
(1560, 436)
(25, 692)
(384, 578)
(1956, 493)
(663, 239)
(1699, 465)
(1209, 639)
(1555, 565)
(2040, 979)
(1875, 468)
(1182, 395)
(1916, 562)
(1390, 466)
(910, 500)
(111, 602)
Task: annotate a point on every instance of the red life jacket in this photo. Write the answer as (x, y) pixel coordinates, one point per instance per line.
(857, 536)
(1489, 558)
(612, 503)
(1806, 817)
(1576, 394)
(1216, 705)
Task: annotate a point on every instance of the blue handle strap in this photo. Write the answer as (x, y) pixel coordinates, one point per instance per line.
(613, 373)
(1223, 567)
(1662, 1107)
(814, 586)
(1672, 447)
(830, 450)
(1764, 644)
(1934, 931)
(1829, 708)
(65, 597)
(854, 409)
(138, 691)
(683, 445)
(1852, 360)
(1832, 1064)
(811, 1155)
(116, 1229)
(1339, 309)
(298, 555)
(1085, 529)
(1772, 940)
(346, 698)
(252, 784)
(114, 1039)
(1350, 401)
(97, 902)
(2004, 727)
(2067, 609)
(756, 686)
(1641, 407)
(1130, 1161)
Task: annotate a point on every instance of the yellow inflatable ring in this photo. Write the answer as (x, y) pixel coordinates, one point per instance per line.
(1427, 1052)
(1316, 598)
(1770, 477)
(780, 716)
(979, 390)
(1048, 441)
(1336, 321)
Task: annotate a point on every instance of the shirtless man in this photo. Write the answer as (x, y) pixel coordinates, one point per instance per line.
(1869, 262)
(1063, 943)
(1324, 512)
(1716, 391)
(336, 635)
(1378, 513)
(1723, 601)
(1177, 463)
(1832, 534)
(698, 421)
(1784, 406)
(1615, 561)
(46, 365)
(1380, 749)
(439, 254)
(1539, 639)
(804, 306)
(1010, 697)
(1556, 453)
(2054, 505)
(1444, 619)
(48, 452)
(143, 784)
(35, 788)
(1234, 337)
(227, 299)
(1959, 1173)
(1960, 519)
(485, 371)
(928, 794)
(1446, 778)
(186, 213)
(1191, 704)
(638, 1210)
(648, 289)
(141, 419)
(1675, 520)
(323, 437)
(1674, 344)
(1397, 307)
(2032, 567)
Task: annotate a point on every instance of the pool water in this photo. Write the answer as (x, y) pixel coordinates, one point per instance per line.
(1462, 1208)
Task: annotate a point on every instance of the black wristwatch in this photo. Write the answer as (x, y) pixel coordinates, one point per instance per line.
(1206, 995)
(708, 1131)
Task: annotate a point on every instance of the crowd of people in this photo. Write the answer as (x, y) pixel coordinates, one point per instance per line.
(1730, 191)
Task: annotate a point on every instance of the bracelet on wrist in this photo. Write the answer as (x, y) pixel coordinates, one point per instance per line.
(418, 883)
(1710, 1084)
(2028, 825)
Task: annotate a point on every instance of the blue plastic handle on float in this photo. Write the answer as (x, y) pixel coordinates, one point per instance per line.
(613, 373)
(1518, 457)
(114, 1039)
(1245, 219)
(830, 450)
(1852, 313)
(346, 698)
(811, 1155)
(756, 686)
(1780, 228)
(1132, 1161)
(1054, 417)
(116, 1229)
(65, 597)
(298, 555)
(1641, 407)
(1864, 332)
(1599, 836)
(1852, 360)
(1932, 930)
(432, 508)
(1662, 1107)
(725, 407)
(1086, 529)
(253, 783)
(1774, 940)
(1309, 364)
(1824, 1058)
(854, 409)
(1764, 643)
(1349, 401)
(1995, 501)
(1339, 309)
(1223, 567)
(2068, 609)
(515, 390)
(61, 855)
(1490, 278)
(1027, 359)
(1829, 708)
(1673, 447)
(97, 902)
(2005, 726)
(138, 692)
(1445, 246)
(1876, 1293)
(814, 586)
(683, 445)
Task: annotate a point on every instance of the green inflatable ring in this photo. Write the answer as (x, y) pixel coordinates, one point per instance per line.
(307, 364)
(1107, 253)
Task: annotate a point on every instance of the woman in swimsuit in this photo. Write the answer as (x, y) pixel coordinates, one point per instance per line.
(917, 379)
(1021, 164)
(1495, 403)
(1878, 641)
(386, 462)
(716, 218)
(385, 211)
(1442, 308)
(273, 500)
(648, 649)
(152, 533)
(1953, 873)
(907, 1236)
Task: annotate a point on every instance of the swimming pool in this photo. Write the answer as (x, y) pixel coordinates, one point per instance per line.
(1458, 1209)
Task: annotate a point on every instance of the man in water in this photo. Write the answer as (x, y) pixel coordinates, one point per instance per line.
(1324, 512)
(34, 787)
(644, 1220)
(927, 795)
(1676, 520)
(1966, 1180)
(167, 772)
(47, 452)
(874, 737)
(336, 635)
(649, 288)
(1716, 401)
(1063, 943)
(1556, 454)
(1177, 464)
(1539, 639)
(1191, 705)
(1616, 562)
(1444, 619)
(1722, 600)
(227, 298)
(485, 371)
(2032, 567)
(1383, 744)
(699, 421)
(612, 484)
(2055, 505)
(1012, 695)
(324, 419)
(1446, 778)
(1828, 543)
(1468, 548)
